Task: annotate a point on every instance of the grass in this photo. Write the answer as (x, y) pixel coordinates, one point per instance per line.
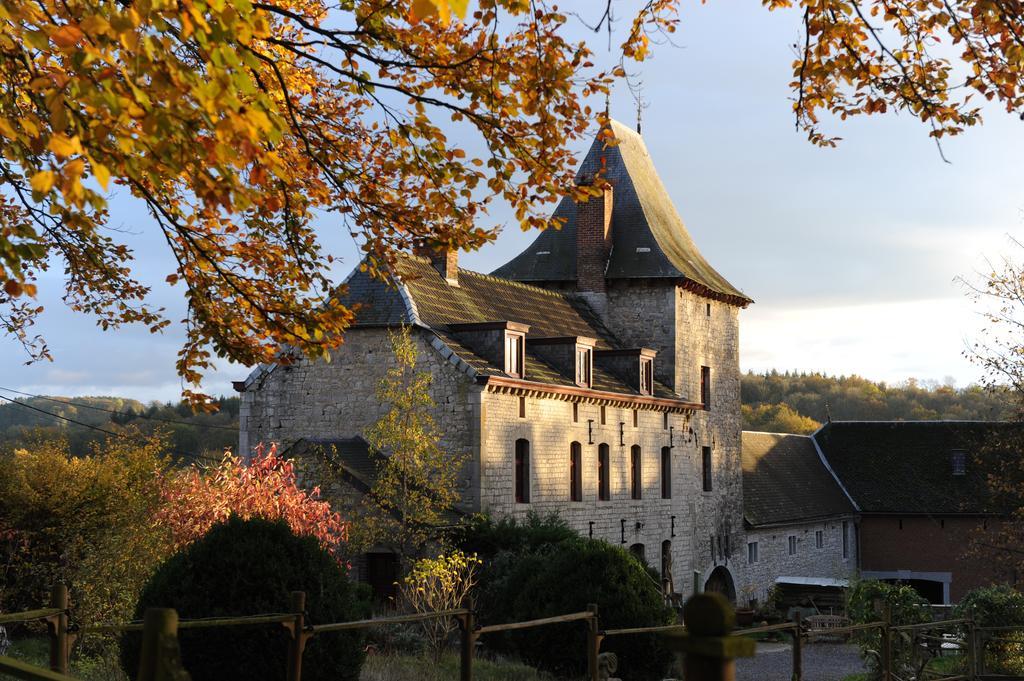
(425, 668)
(37, 651)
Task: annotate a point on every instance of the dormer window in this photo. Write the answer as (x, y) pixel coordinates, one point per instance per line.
(584, 366)
(958, 458)
(515, 354)
(646, 376)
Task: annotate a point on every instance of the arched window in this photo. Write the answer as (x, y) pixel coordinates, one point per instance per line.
(522, 471)
(666, 473)
(638, 551)
(667, 582)
(576, 472)
(635, 472)
(603, 488)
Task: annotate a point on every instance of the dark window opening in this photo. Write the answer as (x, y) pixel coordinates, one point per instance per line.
(522, 407)
(664, 420)
(603, 490)
(705, 387)
(666, 473)
(959, 462)
(576, 472)
(575, 412)
(846, 539)
(819, 539)
(638, 551)
(635, 472)
(636, 418)
(752, 552)
(646, 376)
(667, 581)
(381, 575)
(708, 310)
(522, 472)
(792, 545)
(705, 462)
(602, 414)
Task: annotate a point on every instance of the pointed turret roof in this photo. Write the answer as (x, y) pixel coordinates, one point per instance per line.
(649, 239)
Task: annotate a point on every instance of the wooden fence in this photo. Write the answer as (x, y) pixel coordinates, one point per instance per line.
(706, 641)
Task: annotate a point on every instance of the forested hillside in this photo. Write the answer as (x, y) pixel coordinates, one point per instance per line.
(86, 420)
(799, 403)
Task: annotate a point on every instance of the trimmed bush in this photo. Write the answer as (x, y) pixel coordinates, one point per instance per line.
(487, 537)
(249, 567)
(906, 606)
(997, 606)
(564, 577)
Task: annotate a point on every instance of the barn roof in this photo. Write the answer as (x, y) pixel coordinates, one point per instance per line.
(785, 481)
(649, 239)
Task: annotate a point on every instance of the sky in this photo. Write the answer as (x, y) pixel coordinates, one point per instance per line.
(851, 254)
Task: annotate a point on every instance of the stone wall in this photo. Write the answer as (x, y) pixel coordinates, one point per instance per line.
(774, 559)
(337, 399)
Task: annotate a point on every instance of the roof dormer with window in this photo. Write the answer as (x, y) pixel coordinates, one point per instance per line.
(501, 343)
(571, 356)
(633, 365)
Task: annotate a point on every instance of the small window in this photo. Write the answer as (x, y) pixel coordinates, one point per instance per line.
(602, 414)
(522, 471)
(846, 539)
(638, 551)
(575, 412)
(636, 419)
(751, 552)
(522, 407)
(576, 472)
(603, 491)
(959, 461)
(584, 366)
(705, 387)
(664, 420)
(646, 376)
(635, 472)
(705, 461)
(666, 473)
(819, 539)
(514, 354)
(707, 310)
(792, 545)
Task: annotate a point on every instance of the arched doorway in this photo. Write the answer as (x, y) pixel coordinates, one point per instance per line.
(720, 581)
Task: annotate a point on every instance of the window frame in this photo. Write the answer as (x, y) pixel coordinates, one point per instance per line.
(521, 471)
(666, 472)
(515, 354)
(646, 376)
(958, 462)
(706, 465)
(584, 366)
(705, 387)
(819, 539)
(846, 539)
(603, 472)
(636, 472)
(791, 547)
(752, 556)
(575, 472)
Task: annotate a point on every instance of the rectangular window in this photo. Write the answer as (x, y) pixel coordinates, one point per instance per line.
(576, 472)
(705, 387)
(522, 471)
(752, 552)
(583, 367)
(959, 461)
(646, 376)
(705, 464)
(603, 490)
(575, 412)
(666, 473)
(514, 354)
(708, 310)
(846, 539)
(792, 545)
(819, 539)
(522, 407)
(602, 414)
(664, 420)
(635, 473)
(636, 419)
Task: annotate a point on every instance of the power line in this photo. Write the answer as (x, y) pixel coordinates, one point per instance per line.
(118, 413)
(192, 455)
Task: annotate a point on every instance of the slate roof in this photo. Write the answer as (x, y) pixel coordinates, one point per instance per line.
(898, 467)
(353, 454)
(785, 481)
(484, 298)
(649, 239)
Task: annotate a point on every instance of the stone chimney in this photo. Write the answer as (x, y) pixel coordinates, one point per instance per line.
(446, 262)
(593, 241)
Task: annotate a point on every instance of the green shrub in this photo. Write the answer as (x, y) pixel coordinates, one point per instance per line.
(246, 568)
(997, 606)
(487, 537)
(906, 606)
(562, 578)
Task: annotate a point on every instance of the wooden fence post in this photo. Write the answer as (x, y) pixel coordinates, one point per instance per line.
(298, 642)
(593, 642)
(467, 643)
(57, 626)
(708, 647)
(886, 651)
(798, 648)
(160, 659)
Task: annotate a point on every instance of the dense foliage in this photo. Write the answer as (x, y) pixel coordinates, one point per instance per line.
(997, 606)
(792, 402)
(868, 601)
(248, 567)
(84, 521)
(188, 435)
(541, 555)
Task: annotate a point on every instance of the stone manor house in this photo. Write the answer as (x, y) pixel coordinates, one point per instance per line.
(595, 375)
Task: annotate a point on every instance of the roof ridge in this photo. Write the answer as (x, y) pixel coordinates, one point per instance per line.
(769, 432)
(491, 277)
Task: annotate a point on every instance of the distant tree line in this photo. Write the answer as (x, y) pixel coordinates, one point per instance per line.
(40, 419)
(801, 402)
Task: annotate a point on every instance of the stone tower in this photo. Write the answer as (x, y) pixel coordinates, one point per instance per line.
(628, 254)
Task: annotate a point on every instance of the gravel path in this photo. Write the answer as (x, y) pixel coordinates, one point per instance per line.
(822, 662)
